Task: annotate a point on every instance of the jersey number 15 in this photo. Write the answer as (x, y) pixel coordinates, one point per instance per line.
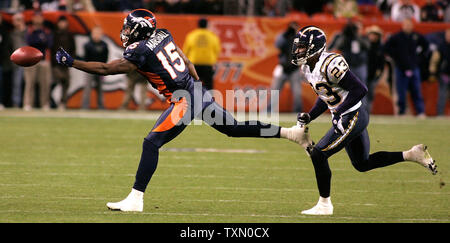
(171, 51)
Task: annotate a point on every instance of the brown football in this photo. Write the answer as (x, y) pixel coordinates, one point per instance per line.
(26, 56)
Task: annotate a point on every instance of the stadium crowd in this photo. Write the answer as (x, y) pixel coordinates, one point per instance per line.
(408, 57)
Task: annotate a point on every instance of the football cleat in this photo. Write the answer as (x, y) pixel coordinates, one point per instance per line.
(133, 203)
(300, 134)
(419, 153)
(321, 208)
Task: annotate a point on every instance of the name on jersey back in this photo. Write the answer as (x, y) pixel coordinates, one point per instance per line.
(152, 43)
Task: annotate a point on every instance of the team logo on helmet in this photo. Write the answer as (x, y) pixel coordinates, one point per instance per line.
(138, 25)
(309, 42)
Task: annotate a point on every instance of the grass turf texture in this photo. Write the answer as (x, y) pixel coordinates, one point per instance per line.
(65, 169)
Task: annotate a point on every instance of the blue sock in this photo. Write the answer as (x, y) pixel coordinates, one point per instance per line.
(147, 165)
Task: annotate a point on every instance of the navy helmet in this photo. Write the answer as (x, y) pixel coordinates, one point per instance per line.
(138, 25)
(308, 42)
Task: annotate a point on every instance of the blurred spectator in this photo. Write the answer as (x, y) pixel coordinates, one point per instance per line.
(203, 47)
(345, 8)
(276, 7)
(310, 7)
(106, 5)
(431, 12)
(405, 9)
(5, 4)
(18, 40)
(41, 38)
(5, 51)
(96, 50)
(285, 70)
(445, 5)
(135, 79)
(375, 62)
(79, 5)
(440, 70)
(405, 47)
(65, 39)
(127, 5)
(385, 6)
(354, 48)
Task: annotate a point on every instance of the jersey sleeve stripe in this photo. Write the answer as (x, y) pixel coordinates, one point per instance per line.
(325, 71)
(327, 61)
(160, 85)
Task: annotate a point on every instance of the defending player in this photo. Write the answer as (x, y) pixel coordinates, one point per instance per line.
(340, 91)
(154, 54)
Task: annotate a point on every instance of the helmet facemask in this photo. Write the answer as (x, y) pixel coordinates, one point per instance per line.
(125, 35)
(299, 52)
(137, 26)
(307, 45)
(302, 52)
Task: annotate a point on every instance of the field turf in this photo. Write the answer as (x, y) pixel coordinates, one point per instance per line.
(65, 167)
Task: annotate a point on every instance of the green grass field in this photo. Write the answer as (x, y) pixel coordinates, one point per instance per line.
(56, 167)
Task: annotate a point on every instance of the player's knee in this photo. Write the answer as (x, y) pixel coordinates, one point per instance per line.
(360, 166)
(320, 162)
(149, 145)
(230, 131)
(317, 155)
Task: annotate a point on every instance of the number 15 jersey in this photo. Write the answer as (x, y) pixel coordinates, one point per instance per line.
(325, 78)
(157, 59)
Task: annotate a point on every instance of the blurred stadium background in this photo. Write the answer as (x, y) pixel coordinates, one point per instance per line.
(63, 165)
(247, 31)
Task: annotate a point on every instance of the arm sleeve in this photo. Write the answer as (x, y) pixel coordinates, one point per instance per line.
(356, 91)
(319, 107)
(135, 53)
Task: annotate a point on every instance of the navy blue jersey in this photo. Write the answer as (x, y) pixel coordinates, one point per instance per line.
(158, 61)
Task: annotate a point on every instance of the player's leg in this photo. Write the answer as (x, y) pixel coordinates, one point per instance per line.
(416, 92)
(30, 80)
(323, 176)
(359, 147)
(354, 123)
(401, 84)
(169, 125)
(358, 151)
(223, 121)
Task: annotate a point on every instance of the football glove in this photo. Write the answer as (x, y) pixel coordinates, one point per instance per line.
(337, 123)
(62, 57)
(303, 119)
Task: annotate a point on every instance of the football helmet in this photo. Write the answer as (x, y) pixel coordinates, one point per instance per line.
(308, 42)
(138, 25)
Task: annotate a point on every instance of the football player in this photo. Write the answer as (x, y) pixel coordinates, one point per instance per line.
(154, 54)
(340, 91)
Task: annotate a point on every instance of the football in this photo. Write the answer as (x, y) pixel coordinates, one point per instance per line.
(26, 56)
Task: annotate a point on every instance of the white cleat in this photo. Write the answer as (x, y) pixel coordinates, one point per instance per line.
(419, 154)
(323, 207)
(300, 135)
(133, 203)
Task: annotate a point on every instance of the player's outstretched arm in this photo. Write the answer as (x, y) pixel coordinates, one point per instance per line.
(114, 67)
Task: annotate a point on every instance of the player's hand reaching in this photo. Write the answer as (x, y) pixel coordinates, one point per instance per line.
(303, 119)
(337, 123)
(62, 57)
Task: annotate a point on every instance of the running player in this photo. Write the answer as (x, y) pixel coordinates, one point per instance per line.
(154, 54)
(340, 91)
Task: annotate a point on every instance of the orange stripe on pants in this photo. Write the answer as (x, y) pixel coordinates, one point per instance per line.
(174, 117)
